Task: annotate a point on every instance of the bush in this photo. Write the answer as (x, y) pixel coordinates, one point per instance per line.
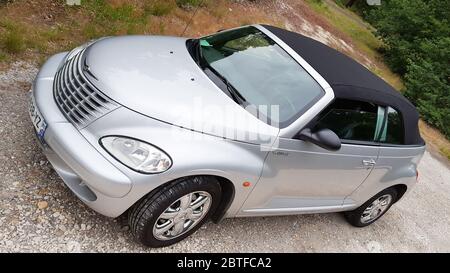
(427, 84)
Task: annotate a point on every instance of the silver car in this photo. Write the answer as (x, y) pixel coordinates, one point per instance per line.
(251, 121)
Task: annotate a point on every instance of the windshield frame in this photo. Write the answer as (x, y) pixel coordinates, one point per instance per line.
(290, 128)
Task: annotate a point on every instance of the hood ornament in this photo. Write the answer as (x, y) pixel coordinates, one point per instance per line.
(87, 70)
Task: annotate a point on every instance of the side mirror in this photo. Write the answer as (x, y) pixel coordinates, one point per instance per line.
(324, 138)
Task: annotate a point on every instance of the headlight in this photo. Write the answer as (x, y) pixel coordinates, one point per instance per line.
(137, 155)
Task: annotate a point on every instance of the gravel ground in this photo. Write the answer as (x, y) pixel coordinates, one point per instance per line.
(39, 214)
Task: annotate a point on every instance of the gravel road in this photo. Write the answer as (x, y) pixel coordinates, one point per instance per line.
(38, 213)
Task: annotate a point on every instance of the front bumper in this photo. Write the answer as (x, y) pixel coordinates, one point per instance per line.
(94, 179)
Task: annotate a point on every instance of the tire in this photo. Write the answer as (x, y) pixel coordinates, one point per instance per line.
(148, 223)
(359, 217)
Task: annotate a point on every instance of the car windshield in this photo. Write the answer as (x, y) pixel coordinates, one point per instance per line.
(259, 72)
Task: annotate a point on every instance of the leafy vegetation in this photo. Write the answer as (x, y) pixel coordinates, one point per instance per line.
(416, 34)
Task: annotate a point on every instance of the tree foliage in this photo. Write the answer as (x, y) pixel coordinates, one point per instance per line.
(416, 34)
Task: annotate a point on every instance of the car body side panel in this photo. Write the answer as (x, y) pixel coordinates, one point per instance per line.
(395, 165)
(192, 153)
(300, 177)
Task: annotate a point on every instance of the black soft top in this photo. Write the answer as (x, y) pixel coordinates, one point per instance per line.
(351, 80)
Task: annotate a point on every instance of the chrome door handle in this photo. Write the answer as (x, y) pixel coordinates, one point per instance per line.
(369, 162)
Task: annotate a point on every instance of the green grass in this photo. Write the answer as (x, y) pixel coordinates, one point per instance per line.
(159, 8)
(445, 151)
(3, 57)
(109, 20)
(54, 34)
(98, 18)
(105, 13)
(12, 40)
(362, 36)
(90, 31)
(189, 3)
(16, 37)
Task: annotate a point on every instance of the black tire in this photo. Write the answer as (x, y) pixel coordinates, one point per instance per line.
(354, 216)
(145, 213)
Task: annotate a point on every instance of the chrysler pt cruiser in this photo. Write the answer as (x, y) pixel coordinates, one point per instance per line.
(297, 128)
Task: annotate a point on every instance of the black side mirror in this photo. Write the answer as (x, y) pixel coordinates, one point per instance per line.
(324, 138)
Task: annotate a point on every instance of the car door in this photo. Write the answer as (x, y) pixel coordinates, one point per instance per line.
(299, 176)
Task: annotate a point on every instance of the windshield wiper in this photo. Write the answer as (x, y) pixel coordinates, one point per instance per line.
(195, 47)
(237, 96)
(232, 91)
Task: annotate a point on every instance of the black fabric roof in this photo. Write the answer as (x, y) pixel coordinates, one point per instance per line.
(351, 80)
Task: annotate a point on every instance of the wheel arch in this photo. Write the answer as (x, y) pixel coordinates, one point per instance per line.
(227, 197)
(401, 190)
(228, 192)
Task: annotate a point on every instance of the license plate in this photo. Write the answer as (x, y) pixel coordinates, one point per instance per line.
(37, 119)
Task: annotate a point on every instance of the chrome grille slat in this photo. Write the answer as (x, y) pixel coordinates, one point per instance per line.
(68, 95)
(77, 98)
(89, 88)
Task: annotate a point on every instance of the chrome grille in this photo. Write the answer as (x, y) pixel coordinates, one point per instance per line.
(79, 101)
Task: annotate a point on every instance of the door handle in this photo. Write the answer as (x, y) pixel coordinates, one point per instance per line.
(369, 162)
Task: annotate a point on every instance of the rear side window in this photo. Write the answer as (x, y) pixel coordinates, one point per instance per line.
(351, 120)
(362, 121)
(394, 130)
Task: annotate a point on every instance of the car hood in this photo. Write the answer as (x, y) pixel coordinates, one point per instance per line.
(157, 77)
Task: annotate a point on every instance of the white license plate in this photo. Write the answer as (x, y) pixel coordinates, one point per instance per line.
(37, 119)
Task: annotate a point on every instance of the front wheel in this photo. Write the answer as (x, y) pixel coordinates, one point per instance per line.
(373, 209)
(175, 211)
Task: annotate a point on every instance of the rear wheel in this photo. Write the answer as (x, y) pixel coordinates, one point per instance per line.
(373, 209)
(175, 211)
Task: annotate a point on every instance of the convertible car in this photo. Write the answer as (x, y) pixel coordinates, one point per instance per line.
(251, 121)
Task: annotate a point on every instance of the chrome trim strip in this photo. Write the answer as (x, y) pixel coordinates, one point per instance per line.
(302, 209)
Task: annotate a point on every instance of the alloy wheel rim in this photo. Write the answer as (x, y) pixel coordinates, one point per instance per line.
(182, 215)
(376, 209)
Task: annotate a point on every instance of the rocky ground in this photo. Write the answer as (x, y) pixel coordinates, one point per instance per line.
(38, 213)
